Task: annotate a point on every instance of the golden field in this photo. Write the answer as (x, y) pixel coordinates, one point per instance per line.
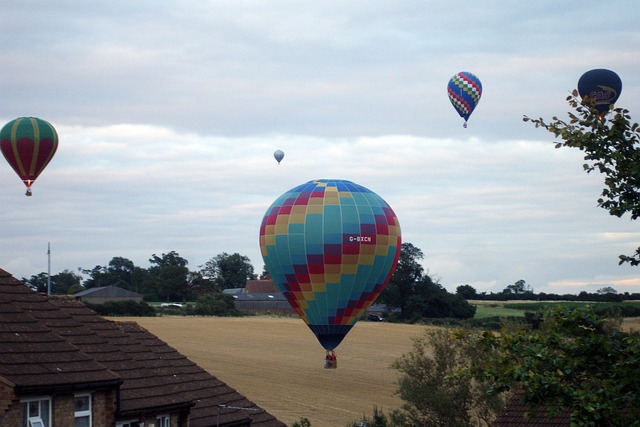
(278, 363)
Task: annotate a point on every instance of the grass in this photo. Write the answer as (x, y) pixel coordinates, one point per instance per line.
(484, 311)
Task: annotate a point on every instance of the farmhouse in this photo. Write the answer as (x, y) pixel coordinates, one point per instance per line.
(61, 364)
(262, 303)
(107, 293)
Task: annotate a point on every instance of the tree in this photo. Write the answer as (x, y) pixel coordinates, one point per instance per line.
(433, 392)
(467, 292)
(607, 290)
(38, 282)
(167, 278)
(402, 283)
(119, 272)
(416, 294)
(228, 271)
(611, 145)
(576, 360)
(62, 282)
(216, 304)
(518, 288)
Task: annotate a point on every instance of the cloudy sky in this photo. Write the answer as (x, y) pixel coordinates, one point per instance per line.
(168, 115)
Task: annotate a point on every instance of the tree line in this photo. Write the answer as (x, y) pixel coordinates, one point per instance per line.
(411, 294)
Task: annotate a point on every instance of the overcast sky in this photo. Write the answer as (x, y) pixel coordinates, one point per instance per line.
(168, 114)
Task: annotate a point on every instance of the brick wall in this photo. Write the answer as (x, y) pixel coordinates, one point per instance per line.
(63, 410)
(9, 407)
(102, 408)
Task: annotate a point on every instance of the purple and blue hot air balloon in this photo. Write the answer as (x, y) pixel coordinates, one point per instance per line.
(465, 90)
(331, 247)
(600, 88)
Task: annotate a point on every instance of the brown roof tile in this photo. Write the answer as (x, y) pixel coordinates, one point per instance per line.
(32, 354)
(518, 414)
(59, 338)
(261, 287)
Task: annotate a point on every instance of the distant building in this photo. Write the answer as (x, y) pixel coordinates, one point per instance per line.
(263, 303)
(264, 286)
(63, 365)
(107, 293)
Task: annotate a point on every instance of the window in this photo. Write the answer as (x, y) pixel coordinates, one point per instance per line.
(130, 423)
(83, 410)
(35, 412)
(163, 421)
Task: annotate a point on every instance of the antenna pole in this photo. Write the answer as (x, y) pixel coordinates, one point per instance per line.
(49, 268)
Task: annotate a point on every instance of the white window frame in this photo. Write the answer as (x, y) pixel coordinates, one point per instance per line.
(163, 421)
(37, 420)
(130, 423)
(84, 413)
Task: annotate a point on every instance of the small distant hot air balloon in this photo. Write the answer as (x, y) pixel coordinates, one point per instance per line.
(331, 247)
(464, 91)
(28, 144)
(600, 88)
(278, 155)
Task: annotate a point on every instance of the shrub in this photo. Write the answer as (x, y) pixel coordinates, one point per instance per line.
(123, 308)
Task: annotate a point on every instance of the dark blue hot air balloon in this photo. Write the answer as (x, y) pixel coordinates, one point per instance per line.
(600, 88)
(464, 91)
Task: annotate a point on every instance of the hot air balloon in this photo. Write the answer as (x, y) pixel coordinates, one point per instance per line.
(278, 155)
(331, 247)
(600, 88)
(28, 144)
(464, 91)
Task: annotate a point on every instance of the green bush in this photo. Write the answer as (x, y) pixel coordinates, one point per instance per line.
(123, 308)
(215, 304)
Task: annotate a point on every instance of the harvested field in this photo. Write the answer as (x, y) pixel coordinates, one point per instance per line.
(278, 363)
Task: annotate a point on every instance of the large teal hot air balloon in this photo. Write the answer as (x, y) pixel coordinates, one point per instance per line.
(28, 144)
(331, 247)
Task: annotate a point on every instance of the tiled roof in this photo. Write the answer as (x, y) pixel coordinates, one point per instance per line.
(261, 287)
(32, 353)
(107, 292)
(154, 374)
(515, 415)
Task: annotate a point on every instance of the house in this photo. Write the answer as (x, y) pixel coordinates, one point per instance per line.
(263, 303)
(107, 293)
(262, 286)
(61, 365)
(517, 414)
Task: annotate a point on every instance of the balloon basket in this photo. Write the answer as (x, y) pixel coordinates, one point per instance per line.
(28, 193)
(330, 360)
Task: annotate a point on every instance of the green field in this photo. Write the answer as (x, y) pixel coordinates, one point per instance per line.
(485, 309)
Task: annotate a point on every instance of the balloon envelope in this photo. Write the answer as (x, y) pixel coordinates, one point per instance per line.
(600, 88)
(278, 155)
(465, 90)
(331, 247)
(28, 144)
